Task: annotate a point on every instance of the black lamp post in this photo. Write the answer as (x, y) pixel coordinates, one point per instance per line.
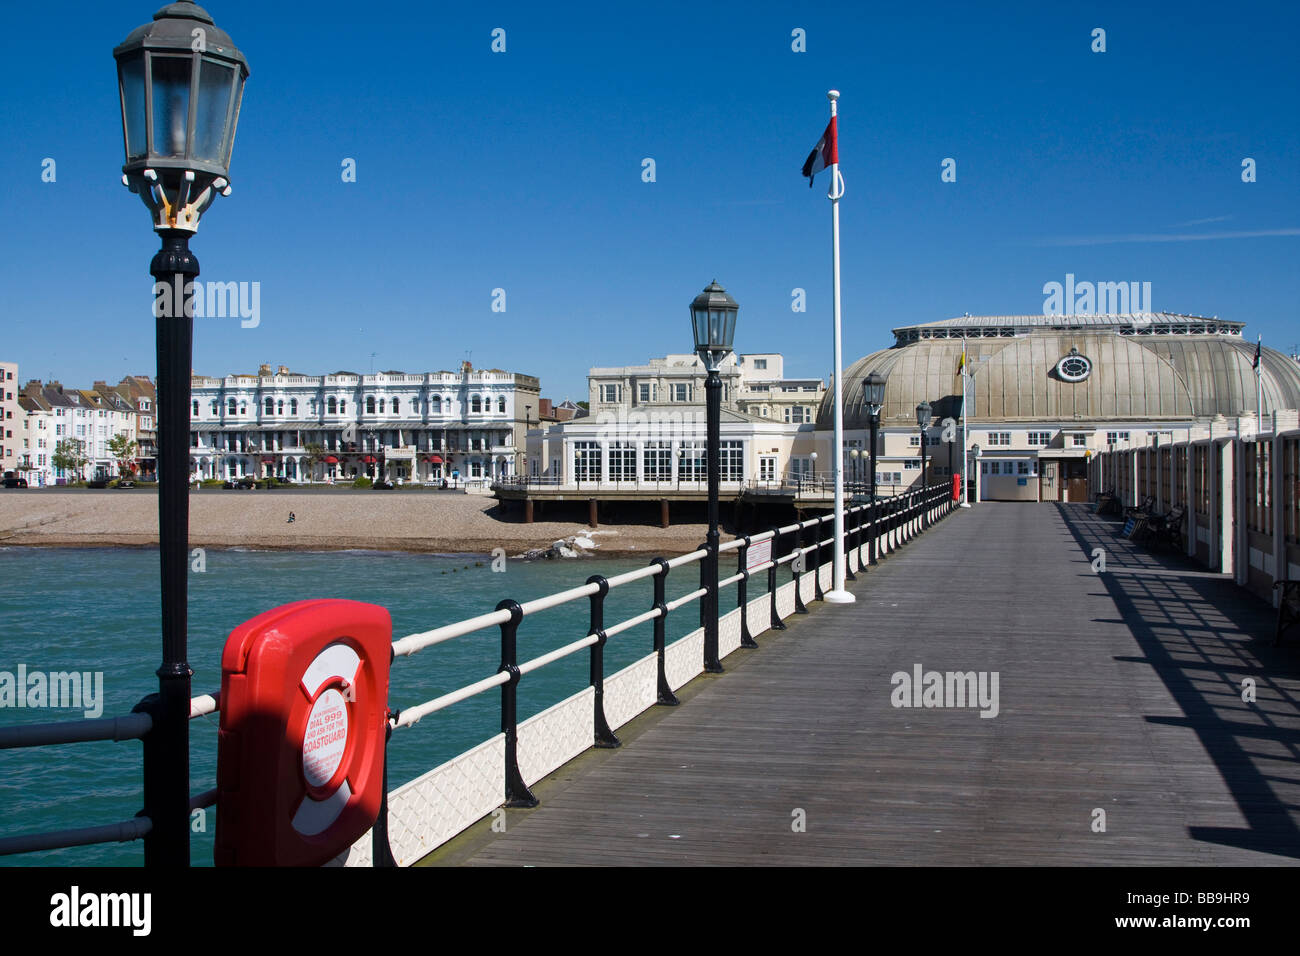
(923, 422)
(713, 320)
(873, 399)
(181, 80)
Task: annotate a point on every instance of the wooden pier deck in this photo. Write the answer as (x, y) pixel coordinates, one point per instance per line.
(1119, 691)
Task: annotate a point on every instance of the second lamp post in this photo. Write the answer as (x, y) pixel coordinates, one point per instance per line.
(713, 320)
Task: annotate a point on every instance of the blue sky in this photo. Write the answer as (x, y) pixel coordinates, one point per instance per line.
(522, 171)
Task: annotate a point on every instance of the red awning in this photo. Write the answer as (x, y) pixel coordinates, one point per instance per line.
(268, 461)
(370, 459)
(435, 459)
(331, 460)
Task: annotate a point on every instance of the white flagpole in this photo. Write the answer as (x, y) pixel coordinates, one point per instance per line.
(965, 470)
(837, 594)
(1259, 388)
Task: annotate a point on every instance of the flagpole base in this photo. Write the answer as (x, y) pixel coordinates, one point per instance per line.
(839, 597)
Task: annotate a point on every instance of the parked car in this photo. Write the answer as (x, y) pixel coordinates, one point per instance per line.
(13, 481)
(246, 482)
(125, 483)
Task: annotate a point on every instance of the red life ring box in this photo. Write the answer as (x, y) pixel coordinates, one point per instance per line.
(304, 718)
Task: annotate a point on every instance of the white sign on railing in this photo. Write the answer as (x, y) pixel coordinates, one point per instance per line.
(759, 553)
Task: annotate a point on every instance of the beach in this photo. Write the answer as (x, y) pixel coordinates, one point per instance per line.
(336, 520)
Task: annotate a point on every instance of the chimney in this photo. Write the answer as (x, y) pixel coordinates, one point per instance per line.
(284, 370)
(263, 371)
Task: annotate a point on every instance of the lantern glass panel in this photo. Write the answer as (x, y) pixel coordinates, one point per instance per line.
(699, 319)
(131, 77)
(216, 84)
(171, 104)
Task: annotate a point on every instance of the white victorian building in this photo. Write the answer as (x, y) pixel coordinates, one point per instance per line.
(462, 426)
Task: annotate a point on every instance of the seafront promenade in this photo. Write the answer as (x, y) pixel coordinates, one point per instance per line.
(1120, 737)
(324, 519)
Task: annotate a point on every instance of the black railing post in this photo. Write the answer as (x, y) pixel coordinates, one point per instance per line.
(818, 529)
(666, 696)
(603, 736)
(849, 537)
(777, 624)
(742, 594)
(381, 850)
(873, 553)
(517, 792)
(800, 564)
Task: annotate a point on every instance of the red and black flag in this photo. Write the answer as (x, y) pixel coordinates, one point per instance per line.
(824, 155)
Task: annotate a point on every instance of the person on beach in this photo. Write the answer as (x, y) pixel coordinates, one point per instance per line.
(291, 518)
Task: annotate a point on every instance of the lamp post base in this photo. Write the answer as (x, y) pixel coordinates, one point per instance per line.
(839, 597)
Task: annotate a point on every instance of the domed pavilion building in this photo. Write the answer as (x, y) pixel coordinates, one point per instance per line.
(1047, 391)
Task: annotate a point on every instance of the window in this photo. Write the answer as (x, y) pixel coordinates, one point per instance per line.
(658, 461)
(214, 406)
(797, 415)
(194, 410)
(333, 405)
(622, 461)
(647, 392)
(435, 405)
(732, 462)
(269, 407)
(999, 438)
(692, 465)
(914, 441)
(1078, 440)
(397, 406)
(370, 404)
(293, 406)
(586, 461)
(476, 405)
(766, 468)
(1023, 468)
(889, 478)
(912, 464)
(343, 406)
(681, 392)
(1040, 438)
(1113, 438)
(279, 407)
(232, 407)
(501, 404)
(610, 393)
(760, 364)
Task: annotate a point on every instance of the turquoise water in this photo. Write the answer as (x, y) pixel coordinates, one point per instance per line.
(98, 610)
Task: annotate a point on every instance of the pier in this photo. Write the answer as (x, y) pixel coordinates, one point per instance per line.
(1119, 691)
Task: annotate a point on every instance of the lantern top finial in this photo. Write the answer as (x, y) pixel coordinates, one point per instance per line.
(172, 28)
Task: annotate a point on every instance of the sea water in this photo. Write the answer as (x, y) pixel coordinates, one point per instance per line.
(97, 611)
